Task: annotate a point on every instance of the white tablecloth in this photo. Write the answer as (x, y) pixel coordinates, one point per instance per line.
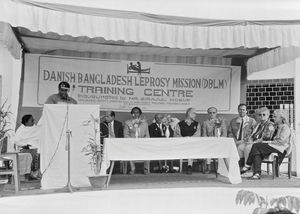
(176, 148)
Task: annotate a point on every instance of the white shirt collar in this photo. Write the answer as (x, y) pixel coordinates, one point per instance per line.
(245, 119)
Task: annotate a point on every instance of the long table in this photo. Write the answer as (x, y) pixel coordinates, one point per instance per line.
(133, 149)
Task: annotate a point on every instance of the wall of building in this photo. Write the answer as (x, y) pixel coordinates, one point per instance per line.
(270, 93)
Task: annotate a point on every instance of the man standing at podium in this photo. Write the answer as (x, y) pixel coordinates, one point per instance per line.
(62, 95)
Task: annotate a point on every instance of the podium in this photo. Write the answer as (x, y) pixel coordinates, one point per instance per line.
(54, 156)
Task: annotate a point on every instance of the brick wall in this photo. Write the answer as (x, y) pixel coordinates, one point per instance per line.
(269, 93)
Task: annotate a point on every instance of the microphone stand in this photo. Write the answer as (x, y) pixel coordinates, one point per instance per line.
(68, 187)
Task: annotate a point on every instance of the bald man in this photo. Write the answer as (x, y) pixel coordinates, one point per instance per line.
(189, 128)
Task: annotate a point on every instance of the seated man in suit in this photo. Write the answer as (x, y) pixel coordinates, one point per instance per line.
(137, 128)
(262, 132)
(158, 129)
(110, 127)
(240, 129)
(189, 128)
(214, 126)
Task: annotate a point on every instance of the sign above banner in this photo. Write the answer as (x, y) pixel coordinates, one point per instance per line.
(121, 85)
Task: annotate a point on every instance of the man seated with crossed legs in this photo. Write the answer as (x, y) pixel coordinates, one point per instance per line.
(262, 132)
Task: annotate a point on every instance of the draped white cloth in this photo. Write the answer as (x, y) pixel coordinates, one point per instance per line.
(54, 157)
(28, 135)
(165, 31)
(176, 148)
(272, 59)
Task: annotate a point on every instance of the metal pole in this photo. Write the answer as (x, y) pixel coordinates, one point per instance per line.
(68, 186)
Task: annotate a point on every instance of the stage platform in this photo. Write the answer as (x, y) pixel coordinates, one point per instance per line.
(165, 180)
(152, 200)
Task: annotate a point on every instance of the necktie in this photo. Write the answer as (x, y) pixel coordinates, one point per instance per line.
(111, 130)
(258, 132)
(241, 130)
(161, 130)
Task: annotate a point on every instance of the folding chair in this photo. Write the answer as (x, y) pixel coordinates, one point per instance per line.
(13, 158)
(273, 159)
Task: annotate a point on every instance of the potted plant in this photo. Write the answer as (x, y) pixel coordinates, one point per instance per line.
(94, 149)
(4, 129)
(281, 205)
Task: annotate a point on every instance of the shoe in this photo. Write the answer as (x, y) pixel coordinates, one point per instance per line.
(245, 169)
(131, 172)
(146, 172)
(172, 171)
(34, 175)
(256, 176)
(247, 174)
(189, 170)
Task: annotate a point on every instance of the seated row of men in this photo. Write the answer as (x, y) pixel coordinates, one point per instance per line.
(249, 134)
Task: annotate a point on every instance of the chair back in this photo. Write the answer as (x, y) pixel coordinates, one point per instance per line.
(291, 143)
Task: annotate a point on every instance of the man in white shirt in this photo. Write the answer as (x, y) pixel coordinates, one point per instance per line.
(240, 129)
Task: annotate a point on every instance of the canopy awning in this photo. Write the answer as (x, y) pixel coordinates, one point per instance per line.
(158, 30)
(273, 58)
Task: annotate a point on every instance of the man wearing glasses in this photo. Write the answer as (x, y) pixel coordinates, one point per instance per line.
(262, 132)
(62, 95)
(215, 126)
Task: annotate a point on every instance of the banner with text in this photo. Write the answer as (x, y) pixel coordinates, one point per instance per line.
(121, 85)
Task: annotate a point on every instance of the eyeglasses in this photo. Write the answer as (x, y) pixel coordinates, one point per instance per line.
(212, 112)
(262, 114)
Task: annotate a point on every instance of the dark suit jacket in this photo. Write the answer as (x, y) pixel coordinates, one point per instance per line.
(154, 131)
(118, 129)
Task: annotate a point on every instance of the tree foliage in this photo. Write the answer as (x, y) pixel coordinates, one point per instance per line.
(285, 204)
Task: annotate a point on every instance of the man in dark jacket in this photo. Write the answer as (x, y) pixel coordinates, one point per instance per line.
(158, 129)
(110, 127)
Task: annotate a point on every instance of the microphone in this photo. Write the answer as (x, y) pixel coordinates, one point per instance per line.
(71, 92)
(73, 89)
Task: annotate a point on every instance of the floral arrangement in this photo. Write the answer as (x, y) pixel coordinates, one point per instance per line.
(94, 148)
(135, 123)
(285, 204)
(218, 122)
(168, 120)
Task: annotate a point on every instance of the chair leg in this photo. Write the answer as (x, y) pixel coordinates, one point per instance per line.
(273, 168)
(216, 167)
(290, 167)
(16, 173)
(277, 167)
(123, 166)
(180, 165)
(268, 168)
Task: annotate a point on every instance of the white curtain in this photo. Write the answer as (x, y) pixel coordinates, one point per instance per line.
(10, 71)
(157, 30)
(272, 59)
